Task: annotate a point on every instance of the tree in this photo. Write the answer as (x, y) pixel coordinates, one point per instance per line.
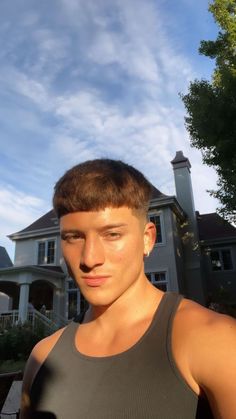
(211, 107)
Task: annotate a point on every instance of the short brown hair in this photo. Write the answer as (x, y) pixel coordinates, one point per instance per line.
(97, 184)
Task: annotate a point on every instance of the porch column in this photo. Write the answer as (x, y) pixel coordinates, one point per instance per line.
(24, 282)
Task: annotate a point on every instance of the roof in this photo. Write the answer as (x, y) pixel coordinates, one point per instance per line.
(157, 194)
(52, 271)
(50, 268)
(212, 226)
(48, 220)
(5, 261)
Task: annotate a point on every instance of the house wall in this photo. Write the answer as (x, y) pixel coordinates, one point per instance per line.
(179, 255)
(26, 250)
(162, 258)
(220, 284)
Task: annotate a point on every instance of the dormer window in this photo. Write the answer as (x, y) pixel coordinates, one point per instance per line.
(46, 252)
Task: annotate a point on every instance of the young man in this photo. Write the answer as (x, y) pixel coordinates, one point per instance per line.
(137, 352)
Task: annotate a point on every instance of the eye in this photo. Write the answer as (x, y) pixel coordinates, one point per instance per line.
(71, 237)
(113, 235)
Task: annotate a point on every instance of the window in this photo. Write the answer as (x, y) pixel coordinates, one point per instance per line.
(156, 219)
(221, 260)
(158, 279)
(46, 252)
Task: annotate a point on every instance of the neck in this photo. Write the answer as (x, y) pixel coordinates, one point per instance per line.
(138, 302)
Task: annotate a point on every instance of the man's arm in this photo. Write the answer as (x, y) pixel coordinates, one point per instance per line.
(215, 369)
(204, 348)
(36, 359)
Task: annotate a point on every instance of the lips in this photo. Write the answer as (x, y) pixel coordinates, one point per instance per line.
(95, 281)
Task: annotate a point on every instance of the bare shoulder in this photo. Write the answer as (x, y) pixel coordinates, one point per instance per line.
(44, 346)
(39, 354)
(200, 322)
(204, 329)
(36, 359)
(209, 342)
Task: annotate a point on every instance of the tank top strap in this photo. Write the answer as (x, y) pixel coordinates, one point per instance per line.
(163, 320)
(69, 333)
(65, 341)
(168, 307)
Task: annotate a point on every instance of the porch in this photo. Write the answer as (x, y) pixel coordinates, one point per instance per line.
(32, 293)
(50, 320)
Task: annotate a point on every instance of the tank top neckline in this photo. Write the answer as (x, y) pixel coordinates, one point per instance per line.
(157, 314)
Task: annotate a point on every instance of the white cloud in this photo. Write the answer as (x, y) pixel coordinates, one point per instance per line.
(92, 79)
(18, 83)
(203, 178)
(21, 208)
(17, 211)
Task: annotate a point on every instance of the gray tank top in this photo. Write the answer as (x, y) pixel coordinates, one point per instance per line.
(142, 382)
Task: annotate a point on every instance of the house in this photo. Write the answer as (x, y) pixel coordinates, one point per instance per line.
(217, 240)
(194, 254)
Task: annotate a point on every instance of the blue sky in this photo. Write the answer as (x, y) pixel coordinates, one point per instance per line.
(96, 78)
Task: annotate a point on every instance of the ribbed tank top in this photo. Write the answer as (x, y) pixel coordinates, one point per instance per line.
(141, 382)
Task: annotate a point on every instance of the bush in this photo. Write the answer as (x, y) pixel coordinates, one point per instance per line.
(18, 341)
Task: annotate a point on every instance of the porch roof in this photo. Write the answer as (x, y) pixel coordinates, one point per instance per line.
(55, 271)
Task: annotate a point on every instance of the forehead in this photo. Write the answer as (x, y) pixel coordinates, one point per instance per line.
(100, 218)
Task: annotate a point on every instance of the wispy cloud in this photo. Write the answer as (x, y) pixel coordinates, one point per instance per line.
(80, 80)
(17, 210)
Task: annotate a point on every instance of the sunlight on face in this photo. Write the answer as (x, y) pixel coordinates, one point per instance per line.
(104, 251)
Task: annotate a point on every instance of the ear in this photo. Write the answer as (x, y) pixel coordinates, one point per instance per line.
(149, 237)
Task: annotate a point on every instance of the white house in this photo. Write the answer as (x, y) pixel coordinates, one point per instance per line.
(194, 254)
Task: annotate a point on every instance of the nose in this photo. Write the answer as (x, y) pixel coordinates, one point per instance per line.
(92, 254)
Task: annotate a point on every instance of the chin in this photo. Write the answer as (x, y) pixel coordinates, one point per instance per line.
(99, 299)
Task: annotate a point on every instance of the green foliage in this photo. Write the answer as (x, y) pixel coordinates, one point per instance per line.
(17, 342)
(11, 366)
(211, 107)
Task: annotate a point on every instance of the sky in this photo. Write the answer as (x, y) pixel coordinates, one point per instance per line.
(96, 78)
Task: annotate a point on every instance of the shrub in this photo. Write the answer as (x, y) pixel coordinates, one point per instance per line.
(18, 341)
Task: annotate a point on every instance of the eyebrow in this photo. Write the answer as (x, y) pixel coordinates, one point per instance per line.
(104, 228)
(70, 230)
(107, 226)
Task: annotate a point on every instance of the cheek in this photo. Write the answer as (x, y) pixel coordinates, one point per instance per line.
(125, 253)
(70, 254)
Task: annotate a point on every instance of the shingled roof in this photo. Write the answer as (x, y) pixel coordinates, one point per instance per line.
(46, 221)
(157, 194)
(5, 261)
(212, 226)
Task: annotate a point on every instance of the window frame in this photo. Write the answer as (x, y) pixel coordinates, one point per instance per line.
(160, 271)
(46, 242)
(220, 250)
(72, 288)
(160, 215)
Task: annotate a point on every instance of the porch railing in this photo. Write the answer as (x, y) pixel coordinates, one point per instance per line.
(56, 318)
(11, 318)
(8, 319)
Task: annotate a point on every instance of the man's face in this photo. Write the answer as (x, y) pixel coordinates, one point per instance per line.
(104, 251)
